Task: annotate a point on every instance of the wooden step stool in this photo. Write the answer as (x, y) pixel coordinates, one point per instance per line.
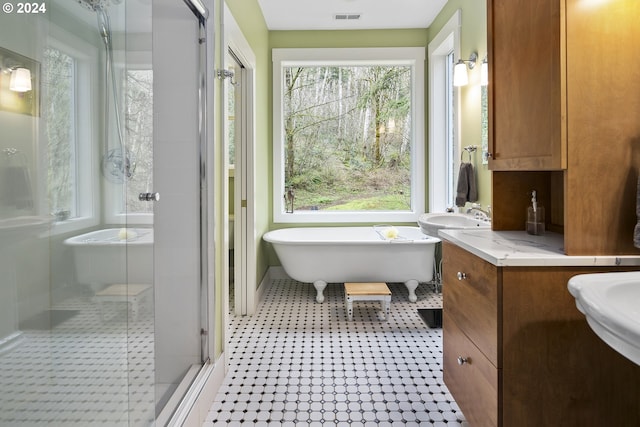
(131, 294)
(367, 292)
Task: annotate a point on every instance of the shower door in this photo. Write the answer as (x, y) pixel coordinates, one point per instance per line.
(182, 246)
(76, 265)
(100, 289)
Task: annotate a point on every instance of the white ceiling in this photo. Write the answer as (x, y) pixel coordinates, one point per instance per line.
(375, 14)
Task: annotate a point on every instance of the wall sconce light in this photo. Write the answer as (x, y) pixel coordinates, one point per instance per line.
(484, 72)
(20, 79)
(460, 77)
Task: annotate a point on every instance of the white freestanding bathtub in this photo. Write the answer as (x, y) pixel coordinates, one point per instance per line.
(322, 255)
(112, 256)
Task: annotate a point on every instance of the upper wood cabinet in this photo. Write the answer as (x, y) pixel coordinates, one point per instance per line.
(564, 105)
(527, 105)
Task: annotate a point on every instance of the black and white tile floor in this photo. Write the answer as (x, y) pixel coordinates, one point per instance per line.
(81, 372)
(300, 363)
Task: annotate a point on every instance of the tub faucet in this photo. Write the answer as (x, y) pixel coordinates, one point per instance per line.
(480, 213)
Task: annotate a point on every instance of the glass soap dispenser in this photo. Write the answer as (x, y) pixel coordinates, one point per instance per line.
(535, 216)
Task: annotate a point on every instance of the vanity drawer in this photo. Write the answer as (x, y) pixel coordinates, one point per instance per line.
(470, 377)
(470, 296)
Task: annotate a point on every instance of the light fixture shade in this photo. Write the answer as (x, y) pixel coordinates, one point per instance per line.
(484, 73)
(20, 80)
(460, 77)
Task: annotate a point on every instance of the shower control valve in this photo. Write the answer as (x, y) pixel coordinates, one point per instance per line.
(149, 197)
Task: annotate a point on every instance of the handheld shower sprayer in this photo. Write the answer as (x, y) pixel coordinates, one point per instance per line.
(117, 167)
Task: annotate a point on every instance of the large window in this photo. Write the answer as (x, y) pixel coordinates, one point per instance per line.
(348, 135)
(60, 114)
(68, 68)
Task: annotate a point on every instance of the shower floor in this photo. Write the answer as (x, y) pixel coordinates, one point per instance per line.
(78, 370)
(300, 363)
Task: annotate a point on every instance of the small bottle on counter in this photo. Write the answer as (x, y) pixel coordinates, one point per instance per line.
(535, 216)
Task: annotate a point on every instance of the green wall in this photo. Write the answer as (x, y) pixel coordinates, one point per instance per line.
(348, 38)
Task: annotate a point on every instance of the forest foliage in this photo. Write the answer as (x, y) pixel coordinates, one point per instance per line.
(347, 133)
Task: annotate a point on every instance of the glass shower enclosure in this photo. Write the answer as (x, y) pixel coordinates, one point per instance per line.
(81, 308)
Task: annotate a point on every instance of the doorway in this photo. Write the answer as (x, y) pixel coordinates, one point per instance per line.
(239, 147)
(233, 138)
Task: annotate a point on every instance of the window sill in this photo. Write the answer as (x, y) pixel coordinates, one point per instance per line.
(131, 219)
(307, 217)
(71, 225)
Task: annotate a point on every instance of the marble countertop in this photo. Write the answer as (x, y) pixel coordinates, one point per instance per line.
(519, 249)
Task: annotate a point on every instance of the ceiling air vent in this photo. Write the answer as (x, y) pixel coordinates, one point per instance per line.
(346, 16)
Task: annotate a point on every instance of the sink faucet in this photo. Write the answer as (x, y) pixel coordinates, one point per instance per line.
(479, 213)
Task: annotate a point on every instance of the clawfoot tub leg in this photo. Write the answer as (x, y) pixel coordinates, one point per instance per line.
(320, 285)
(411, 287)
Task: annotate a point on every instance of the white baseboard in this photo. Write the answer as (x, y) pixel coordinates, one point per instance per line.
(274, 272)
(262, 288)
(277, 272)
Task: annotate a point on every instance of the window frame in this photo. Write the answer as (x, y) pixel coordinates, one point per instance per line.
(409, 56)
(444, 123)
(85, 57)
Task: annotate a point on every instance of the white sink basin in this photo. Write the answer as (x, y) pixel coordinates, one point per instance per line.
(430, 223)
(611, 303)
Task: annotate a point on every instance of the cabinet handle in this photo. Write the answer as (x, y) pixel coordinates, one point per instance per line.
(463, 360)
(462, 276)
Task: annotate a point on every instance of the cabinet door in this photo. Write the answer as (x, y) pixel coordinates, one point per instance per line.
(470, 377)
(526, 91)
(470, 296)
(555, 369)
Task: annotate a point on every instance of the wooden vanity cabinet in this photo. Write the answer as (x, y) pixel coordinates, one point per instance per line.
(518, 353)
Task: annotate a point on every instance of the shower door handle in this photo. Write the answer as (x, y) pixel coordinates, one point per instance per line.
(149, 197)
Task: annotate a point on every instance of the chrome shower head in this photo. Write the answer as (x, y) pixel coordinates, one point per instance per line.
(95, 5)
(100, 7)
